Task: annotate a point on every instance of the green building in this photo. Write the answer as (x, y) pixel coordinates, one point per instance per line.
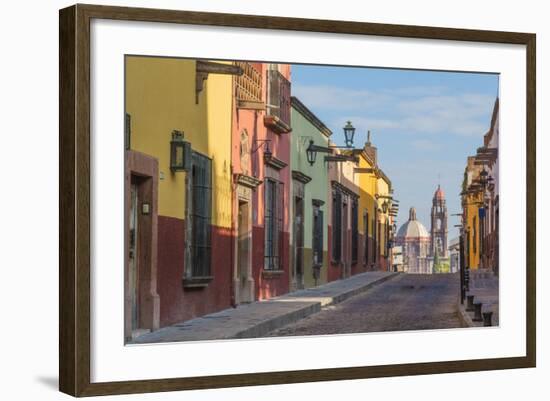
(308, 200)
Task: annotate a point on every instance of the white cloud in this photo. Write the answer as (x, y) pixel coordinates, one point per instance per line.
(425, 110)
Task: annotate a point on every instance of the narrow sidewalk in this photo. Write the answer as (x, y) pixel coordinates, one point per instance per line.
(259, 318)
(484, 286)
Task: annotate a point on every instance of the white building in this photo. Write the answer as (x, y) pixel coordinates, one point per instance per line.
(397, 259)
(415, 242)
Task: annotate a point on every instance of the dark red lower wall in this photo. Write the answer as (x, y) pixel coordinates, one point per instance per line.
(177, 303)
(383, 263)
(269, 284)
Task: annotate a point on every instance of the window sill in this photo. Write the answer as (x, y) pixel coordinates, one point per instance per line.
(272, 273)
(250, 104)
(197, 282)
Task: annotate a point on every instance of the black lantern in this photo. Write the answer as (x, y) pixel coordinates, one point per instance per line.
(349, 132)
(385, 206)
(312, 149)
(179, 152)
(484, 178)
(267, 152)
(484, 174)
(311, 154)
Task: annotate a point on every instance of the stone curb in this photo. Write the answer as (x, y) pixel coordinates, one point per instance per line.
(356, 291)
(277, 322)
(464, 317)
(262, 328)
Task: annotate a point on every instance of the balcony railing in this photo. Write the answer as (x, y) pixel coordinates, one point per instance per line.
(278, 102)
(248, 87)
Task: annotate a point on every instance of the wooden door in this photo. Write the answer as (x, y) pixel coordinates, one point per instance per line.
(243, 252)
(299, 241)
(346, 263)
(133, 270)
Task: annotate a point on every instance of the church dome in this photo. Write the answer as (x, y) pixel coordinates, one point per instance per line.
(412, 228)
(439, 194)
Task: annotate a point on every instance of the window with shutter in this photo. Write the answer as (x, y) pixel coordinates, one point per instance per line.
(273, 224)
(379, 249)
(317, 244)
(475, 235)
(354, 231)
(375, 237)
(387, 238)
(268, 223)
(336, 226)
(201, 215)
(279, 201)
(366, 225)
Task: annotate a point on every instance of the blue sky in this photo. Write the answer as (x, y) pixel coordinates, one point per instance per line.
(424, 124)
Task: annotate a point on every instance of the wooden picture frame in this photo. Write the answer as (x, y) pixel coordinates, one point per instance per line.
(74, 203)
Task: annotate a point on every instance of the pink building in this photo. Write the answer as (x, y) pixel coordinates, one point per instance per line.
(261, 181)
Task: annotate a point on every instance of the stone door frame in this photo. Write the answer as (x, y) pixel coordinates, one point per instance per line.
(243, 194)
(143, 169)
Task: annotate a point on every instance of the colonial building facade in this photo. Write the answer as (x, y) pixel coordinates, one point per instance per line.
(176, 217)
(480, 202)
(343, 220)
(261, 181)
(309, 201)
(222, 205)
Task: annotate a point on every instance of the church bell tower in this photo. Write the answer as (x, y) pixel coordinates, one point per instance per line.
(438, 231)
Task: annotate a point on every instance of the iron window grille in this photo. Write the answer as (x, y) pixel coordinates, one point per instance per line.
(475, 234)
(354, 231)
(366, 225)
(386, 238)
(200, 215)
(375, 238)
(336, 226)
(317, 244)
(273, 224)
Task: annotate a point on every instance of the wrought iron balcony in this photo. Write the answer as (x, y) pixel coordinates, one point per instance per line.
(278, 102)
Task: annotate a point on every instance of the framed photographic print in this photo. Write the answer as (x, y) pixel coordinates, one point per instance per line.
(313, 200)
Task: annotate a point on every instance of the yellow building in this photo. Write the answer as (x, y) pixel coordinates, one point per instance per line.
(178, 189)
(375, 202)
(472, 200)
(384, 197)
(368, 205)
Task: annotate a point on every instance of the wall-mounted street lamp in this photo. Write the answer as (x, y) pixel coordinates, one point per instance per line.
(484, 178)
(312, 149)
(180, 152)
(349, 133)
(268, 154)
(311, 152)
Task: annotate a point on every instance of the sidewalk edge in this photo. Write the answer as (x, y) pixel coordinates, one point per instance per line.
(264, 327)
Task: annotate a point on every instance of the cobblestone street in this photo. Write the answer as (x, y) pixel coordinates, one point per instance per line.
(408, 302)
